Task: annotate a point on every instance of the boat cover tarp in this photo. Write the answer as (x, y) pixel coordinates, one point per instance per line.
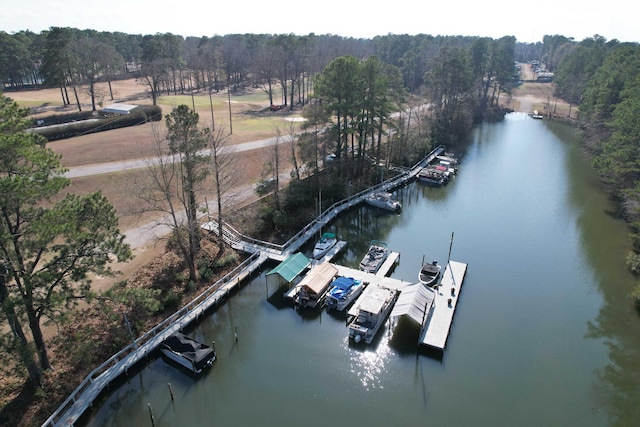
(291, 267)
(415, 300)
(342, 285)
(318, 279)
(190, 349)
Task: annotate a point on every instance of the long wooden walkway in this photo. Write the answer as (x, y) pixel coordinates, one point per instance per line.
(82, 398)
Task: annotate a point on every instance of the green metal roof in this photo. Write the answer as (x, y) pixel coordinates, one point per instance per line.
(291, 267)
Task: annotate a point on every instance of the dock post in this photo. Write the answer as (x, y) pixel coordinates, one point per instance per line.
(170, 390)
(153, 423)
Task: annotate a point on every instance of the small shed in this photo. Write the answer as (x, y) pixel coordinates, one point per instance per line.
(119, 109)
(291, 267)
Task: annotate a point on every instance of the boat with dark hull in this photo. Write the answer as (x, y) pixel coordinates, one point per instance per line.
(429, 273)
(188, 353)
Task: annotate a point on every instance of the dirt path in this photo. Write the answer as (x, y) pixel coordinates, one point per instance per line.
(95, 160)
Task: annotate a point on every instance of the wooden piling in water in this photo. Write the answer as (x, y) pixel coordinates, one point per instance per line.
(153, 423)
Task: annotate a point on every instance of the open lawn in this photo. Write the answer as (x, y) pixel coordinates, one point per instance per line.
(250, 120)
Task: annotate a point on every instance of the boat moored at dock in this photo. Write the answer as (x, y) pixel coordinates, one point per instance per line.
(343, 291)
(372, 311)
(432, 176)
(384, 200)
(326, 242)
(312, 289)
(375, 256)
(429, 273)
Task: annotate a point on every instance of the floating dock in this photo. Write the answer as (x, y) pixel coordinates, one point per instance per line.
(435, 333)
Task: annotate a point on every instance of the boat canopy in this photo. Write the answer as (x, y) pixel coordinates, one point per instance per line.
(291, 267)
(415, 300)
(317, 280)
(344, 282)
(342, 285)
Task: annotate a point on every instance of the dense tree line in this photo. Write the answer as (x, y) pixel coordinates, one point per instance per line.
(603, 79)
(73, 60)
(352, 88)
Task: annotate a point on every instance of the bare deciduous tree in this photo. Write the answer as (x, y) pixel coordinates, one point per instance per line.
(224, 173)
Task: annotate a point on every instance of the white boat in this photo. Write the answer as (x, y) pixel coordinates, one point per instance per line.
(449, 157)
(376, 255)
(312, 289)
(384, 200)
(188, 353)
(326, 242)
(429, 273)
(342, 292)
(372, 312)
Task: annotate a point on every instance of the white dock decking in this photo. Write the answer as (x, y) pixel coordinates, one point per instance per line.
(90, 388)
(436, 332)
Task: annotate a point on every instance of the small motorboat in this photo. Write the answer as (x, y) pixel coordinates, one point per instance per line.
(429, 273)
(385, 201)
(375, 257)
(326, 242)
(343, 291)
(188, 353)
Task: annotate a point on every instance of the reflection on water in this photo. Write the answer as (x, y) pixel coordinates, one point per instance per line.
(369, 364)
(544, 333)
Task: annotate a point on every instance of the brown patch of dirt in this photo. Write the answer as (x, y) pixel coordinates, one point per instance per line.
(122, 144)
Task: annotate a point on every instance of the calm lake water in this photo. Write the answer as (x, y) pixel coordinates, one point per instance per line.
(544, 333)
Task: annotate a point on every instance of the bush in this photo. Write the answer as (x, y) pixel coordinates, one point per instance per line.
(635, 296)
(140, 115)
(633, 262)
(57, 119)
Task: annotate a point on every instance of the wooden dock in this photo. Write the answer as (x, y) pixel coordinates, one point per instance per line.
(119, 364)
(435, 333)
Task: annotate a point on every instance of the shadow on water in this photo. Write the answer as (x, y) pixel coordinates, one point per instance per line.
(277, 298)
(309, 314)
(405, 340)
(405, 336)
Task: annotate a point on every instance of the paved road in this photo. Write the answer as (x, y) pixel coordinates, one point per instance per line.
(100, 168)
(144, 234)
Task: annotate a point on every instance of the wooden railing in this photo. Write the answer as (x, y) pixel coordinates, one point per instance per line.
(141, 347)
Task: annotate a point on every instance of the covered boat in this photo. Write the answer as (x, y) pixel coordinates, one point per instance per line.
(326, 242)
(343, 291)
(188, 353)
(312, 289)
(376, 255)
(384, 200)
